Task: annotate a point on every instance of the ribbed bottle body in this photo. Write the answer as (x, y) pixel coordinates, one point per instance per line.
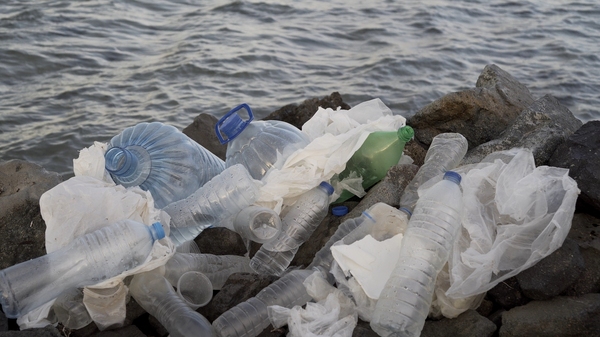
(250, 318)
(154, 293)
(445, 153)
(261, 143)
(87, 260)
(216, 267)
(160, 159)
(405, 300)
(223, 196)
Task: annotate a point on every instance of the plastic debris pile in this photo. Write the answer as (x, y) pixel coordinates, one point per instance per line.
(123, 225)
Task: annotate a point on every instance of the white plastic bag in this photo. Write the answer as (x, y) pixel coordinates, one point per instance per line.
(514, 215)
(335, 135)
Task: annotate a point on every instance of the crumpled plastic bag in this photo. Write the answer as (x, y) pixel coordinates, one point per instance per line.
(333, 315)
(514, 215)
(88, 202)
(335, 135)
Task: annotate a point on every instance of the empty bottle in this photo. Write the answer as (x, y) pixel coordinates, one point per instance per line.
(298, 224)
(160, 159)
(220, 198)
(256, 223)
(87, 260)
(445, 153)
(257, 144)
(216, 267)
(250, 318)
(404, 302)
(155, 295)
(380, 151)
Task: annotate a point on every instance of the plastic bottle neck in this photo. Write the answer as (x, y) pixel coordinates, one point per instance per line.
(130, 167)
(232, 126)
(453, 177)
(406, 133)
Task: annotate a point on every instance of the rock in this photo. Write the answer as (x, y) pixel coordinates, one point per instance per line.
(561, 316)
(480, 114)
(220, 241)
(507, 294)
(580, 153)
(467, 324)
(363, 329)
(128, 331)
(553, 274)
(485, 308)
(21, 225)
(202, 130)
(297, 115)
(541, 127)
(48, 331)
(238, 288)
(585, 231)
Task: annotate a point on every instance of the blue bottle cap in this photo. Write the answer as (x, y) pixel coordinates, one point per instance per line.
(157, 231)
(231, 124)
(339, 210)
(327, 186)
(453, 176)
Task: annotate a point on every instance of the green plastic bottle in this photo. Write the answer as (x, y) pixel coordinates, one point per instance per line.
(380, 151)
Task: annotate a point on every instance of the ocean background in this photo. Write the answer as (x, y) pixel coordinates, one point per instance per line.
(75, 72)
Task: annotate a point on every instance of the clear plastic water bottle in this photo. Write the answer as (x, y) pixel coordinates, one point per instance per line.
(257, 144)
(256, 223)
(380, 151)
(404, 302)
(217, 268)
(445, 153)
(250, 318)
(87, 260)
(156, 295)
(298, 224)
(220, 198)
(160, 159)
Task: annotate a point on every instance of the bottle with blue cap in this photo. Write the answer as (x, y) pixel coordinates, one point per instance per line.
(298, 223)
(87, 260)
(162, 160)
(257, 144)
(404, 302)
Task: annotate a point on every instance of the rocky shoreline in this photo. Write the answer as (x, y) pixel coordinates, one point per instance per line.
(559, 296)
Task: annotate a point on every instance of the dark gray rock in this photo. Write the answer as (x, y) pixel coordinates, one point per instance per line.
(128, 331)
(580, 153)
(202, 130)
(558, 317)
(297, 115)
(553, 274)
(541, 127)
(363, 329)
(507, 294)
(3, 322)
(48, 331)
(220, 241)
(480, 114)
(585, 230)
(21, 225)
(467, 324)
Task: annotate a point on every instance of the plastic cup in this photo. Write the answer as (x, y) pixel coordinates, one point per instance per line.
(195, 289)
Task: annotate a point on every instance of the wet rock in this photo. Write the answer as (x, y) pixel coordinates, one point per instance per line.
(202, 130)
(507, 294)
(561, 316)
(480, 114)
(541, 127)
(467, 324)
(48, 331)
(21, 225)
(585, 230)
(297, 115)
(580, 153)
(220, 241)
(553, 274)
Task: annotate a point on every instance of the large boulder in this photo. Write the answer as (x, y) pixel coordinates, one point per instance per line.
(541, 127)
(297, 115)
(584, 231)
(21, 225)
(560, 316)
(580, 153)
(480, 114)
(467, 324)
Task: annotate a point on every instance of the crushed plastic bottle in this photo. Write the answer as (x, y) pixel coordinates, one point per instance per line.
(380, 151)
(160, 159)
(155, 295)
(70, 310)
(220, 198)
(445, 153)
(257, 144)
(89, 259)
(299, 222)
(404, 302)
